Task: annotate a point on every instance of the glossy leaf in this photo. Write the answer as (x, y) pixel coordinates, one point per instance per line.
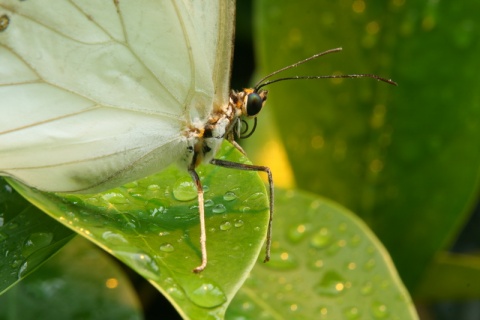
(28, 237)
(326, 264)
(152, 225)
(61, 289)
(406, 158)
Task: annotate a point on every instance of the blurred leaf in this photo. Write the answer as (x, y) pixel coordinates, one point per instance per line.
(61, 289)
(28, 237)
(451, 277)
(326, 264)
(406, 158)
(145, 225)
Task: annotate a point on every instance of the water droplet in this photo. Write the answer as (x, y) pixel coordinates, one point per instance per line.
(367, 288)
(238, 223)
(351, 313)
(167, 247)
(355, 240)
(141, 263)
(206, 294)
(22, 271)
(321, 239)
(3, 236)
(219, 208)
(282, 260)
(115, 198)
(229, 196)
(379, 310)
(208, 203)
(114, 238)
(244, 209)
(35, 242)
(297, 233)
(332, 284)
(369, 265)
(184, 189)
(226, 225)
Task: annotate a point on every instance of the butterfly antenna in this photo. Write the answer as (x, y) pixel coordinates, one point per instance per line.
(263, 83)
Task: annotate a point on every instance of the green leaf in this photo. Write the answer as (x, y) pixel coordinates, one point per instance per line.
(326, 264)
(406, 159)
(28, 237)
(145, 225)
(66, 288)
(459, 278)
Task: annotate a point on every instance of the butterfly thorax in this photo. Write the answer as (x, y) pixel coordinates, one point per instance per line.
(223, 123)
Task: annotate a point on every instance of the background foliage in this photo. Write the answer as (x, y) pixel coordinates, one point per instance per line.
(405, 159)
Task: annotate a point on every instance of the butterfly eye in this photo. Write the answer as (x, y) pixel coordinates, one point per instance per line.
(255, 103)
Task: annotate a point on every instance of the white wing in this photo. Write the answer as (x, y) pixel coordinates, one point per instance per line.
(95, 94)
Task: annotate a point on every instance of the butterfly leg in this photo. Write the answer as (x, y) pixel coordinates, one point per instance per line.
(201, 209)
(250, 167)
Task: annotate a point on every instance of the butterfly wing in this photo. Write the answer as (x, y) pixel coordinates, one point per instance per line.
(98, 93)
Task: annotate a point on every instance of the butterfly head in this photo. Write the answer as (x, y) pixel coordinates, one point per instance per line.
(253, 102)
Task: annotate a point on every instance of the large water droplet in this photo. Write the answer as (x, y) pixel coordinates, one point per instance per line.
(321, 239)
(332, 284)
(229, 196)
(167, 247)
(226, 225)
(114, 238)
(219, 208)
(238, 223)
(184, 189)
(35, 242)
(141, 263)
(209, 203)
(207, 295)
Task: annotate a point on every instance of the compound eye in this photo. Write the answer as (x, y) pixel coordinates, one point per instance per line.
(254, 104)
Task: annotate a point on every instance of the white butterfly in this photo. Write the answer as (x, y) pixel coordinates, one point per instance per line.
(95, 94)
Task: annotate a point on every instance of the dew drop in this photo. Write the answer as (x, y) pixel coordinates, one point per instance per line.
(297, 233)
(331, 284)
(282, 260)
(22, 271)
(366, 289)
(226, 225)
(209, 203)
(219, 208)
(238, 223)
(35, 242)
(184, 189)
(207, 295)
(351, 313)
(379, 310)
(167, 247)
(321, 239)
(114, 198)
(229, 196)
(369, 265)
(142, 263)
(3, 236)
(114, 238)
(245, 209)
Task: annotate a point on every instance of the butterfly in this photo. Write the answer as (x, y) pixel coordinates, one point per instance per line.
(98, 94)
